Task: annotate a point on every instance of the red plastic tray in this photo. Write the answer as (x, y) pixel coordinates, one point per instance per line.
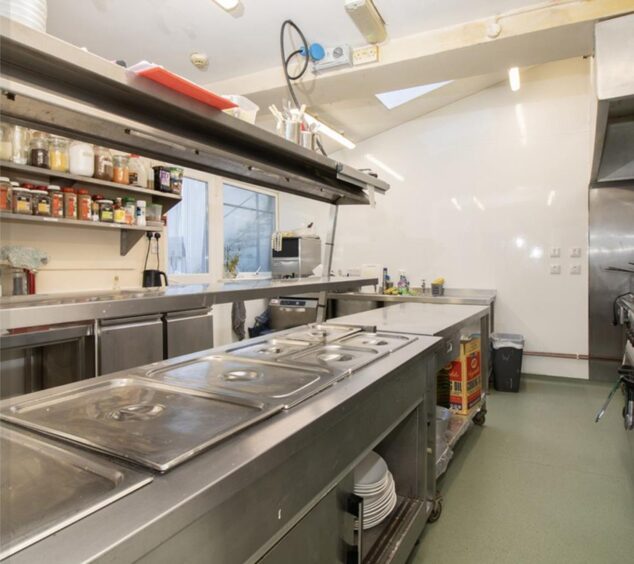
(186, 87)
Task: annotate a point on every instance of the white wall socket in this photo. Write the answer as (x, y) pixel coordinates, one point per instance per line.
(365, 54)
(555, 252)
(555, 269)
(575, 269)
(575, 252)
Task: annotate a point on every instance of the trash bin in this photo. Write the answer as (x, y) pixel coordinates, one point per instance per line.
(507, 361)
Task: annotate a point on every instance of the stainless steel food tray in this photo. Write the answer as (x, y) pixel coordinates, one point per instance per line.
(46, 486)
(278, 382)
(381, 341)
(145, 421)
(271, 349)
(322, 333)
(340, 357)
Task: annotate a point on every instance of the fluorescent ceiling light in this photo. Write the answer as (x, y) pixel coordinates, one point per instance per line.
(228, 4)
(479, 203)
(514, 78)
(367, 19)
(551, 197)
(329, 132)
(456, 204)
(520, 242)
(384, 167)
(395, 98)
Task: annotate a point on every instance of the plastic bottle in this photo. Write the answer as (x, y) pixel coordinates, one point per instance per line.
(137, 172)
(140, 212)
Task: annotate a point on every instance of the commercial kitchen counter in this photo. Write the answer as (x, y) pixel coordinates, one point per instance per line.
(456, 296)
(29, 311)
(235, 501)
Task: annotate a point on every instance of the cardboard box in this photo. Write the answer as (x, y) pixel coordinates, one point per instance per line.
(465, 377)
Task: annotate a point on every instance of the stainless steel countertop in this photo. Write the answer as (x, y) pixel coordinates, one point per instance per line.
(458, 296)
(139, 521)
(417, 319)
(48, 309)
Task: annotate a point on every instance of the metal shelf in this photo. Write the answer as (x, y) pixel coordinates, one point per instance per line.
(130, 234)
(30, 172)
(53, 86)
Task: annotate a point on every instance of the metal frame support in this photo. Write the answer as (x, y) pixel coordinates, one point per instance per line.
(326, 262)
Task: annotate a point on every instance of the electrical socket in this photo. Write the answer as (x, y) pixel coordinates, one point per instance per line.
(555, 252)
(338, 56)
(365, 55)
(575, 252)
(555, 269)
(575, 269)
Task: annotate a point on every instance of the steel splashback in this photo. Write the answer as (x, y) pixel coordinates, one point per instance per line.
(46, 486)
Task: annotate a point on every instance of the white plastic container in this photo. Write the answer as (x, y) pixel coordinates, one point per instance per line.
(246, 110)
(28, 12)
(140, 212)
(82, 158)
(137, 171)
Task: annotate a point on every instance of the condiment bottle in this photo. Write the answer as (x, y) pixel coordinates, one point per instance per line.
(120, 171)
(70, 203)
(84, 204)
(58, 153)
(106, 211)
(5, 194)
(140, 212)
(21, 201)
(130, 210)
(38, 153)
(82, 158)
(57, 201)
(94, 208)
(119, 211)
(103, 163)
(41, 202)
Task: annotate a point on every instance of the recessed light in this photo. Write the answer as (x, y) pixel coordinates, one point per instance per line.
(228, 5)
(514, 78)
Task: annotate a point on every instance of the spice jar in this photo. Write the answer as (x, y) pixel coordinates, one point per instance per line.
(84, 203)
(57, 201)
(38, 153)
(5, 194)
(70, 203)
(82, 158)
(6, 142)
(119, 211)
(103, 163)
(106, 211)
(129, 205)
(41, 202)
(120, 170)
(58, 153)
(21, 201)
(20, 144)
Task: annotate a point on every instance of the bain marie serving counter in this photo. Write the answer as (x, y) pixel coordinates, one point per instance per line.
(277, 490)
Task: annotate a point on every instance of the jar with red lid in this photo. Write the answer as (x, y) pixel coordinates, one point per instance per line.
(94, 207)
(57, 201)
(84, 203)
(70, 203)
(41, 201)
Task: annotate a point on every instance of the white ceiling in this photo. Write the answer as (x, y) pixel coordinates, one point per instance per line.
(168, 31)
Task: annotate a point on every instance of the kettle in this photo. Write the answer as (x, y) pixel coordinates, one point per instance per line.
(152, 278)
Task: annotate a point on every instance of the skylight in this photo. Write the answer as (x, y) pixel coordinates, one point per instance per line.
(396, 98)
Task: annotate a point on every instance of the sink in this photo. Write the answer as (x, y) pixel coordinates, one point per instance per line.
(278, 382)
(147, 422)
(46, 486)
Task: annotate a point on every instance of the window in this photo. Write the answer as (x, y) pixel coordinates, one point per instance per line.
(249, 223)
(188, 230)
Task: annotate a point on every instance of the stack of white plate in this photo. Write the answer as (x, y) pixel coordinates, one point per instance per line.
(375, 484)
(28, 12)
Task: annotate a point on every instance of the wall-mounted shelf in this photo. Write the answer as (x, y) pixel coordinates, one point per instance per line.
(129, 234)
(26, 172)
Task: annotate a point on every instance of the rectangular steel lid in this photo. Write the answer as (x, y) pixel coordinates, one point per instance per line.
(46, 486)
(148, 422)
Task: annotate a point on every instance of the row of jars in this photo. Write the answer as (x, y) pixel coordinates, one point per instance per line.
(69, 203)
(21, 145)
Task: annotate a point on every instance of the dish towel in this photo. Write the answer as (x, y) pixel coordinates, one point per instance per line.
(238, 319)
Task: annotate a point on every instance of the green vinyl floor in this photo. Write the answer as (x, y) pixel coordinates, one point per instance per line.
(539, 483)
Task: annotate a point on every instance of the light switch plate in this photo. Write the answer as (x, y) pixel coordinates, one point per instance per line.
(575, 252)
(555, 269)
(555, 252)
(575, 269)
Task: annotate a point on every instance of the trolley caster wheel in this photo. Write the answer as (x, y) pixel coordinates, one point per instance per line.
(436, 511)
(480, 418)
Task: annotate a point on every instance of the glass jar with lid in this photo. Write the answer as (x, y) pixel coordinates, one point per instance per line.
(38, 151)
(6, 142)
(5, 194)
(84, 203)
(120, 170)
(70, 203)
(41, 202)
(119, 211)
(21, 201)
(103, 163)
(58, 153)
(57, 200)
(106, 211)
(20, 144)
(82, 158)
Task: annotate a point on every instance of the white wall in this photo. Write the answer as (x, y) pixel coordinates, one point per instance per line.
(491, 183)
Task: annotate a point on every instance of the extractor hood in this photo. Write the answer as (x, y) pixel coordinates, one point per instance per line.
(614, 75)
